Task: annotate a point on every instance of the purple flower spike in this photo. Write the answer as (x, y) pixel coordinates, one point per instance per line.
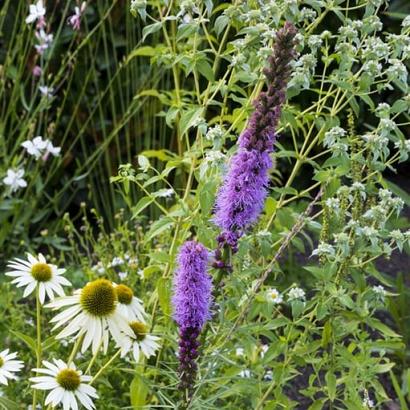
(192, 287)
(191, 302)
(241, 198)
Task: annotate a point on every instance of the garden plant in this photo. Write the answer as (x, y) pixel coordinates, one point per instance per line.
(204, 204)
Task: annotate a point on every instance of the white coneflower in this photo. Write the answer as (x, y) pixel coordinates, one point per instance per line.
(92, 312)
(67, 385)
(8, 366)
(129, 305)
(139, 341)
(37, 272)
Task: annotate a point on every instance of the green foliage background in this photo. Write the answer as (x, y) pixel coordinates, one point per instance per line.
(134, 101)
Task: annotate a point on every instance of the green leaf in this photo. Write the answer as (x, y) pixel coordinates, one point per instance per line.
(331, 385)
(326, 333)
(141, 205)
(164, 295)
(220, 23)
(152, 28)
(49, 342)
(317, 405)
(190, 118)
(205, 69)
(207, 197)
(158, 227)
(138, 392)
(383, 368)
(8, 404)
(146, 51)
(385, 330)
(29, 341)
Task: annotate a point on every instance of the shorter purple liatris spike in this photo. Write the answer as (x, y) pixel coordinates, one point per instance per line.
(191, 303)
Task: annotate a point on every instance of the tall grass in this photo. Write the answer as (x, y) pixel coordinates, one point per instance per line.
(96, 114)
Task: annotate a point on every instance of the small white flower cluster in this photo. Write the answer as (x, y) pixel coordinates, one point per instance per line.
(296, 294)
(324, 249)
(379, 290)
(274, 297)
(303, 71)
(333, 136)
(214, 160)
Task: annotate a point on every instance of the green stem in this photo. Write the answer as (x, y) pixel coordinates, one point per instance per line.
(105, 366)
(75, 349)
(38, 345)
(93, 359)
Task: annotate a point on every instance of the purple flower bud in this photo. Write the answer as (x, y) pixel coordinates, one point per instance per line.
(37, 71)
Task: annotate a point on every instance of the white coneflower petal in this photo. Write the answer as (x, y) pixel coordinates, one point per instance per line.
(36, 272)
(129, 305)
(91, 312)
(8, 366)
(139, 341)
(67, 385)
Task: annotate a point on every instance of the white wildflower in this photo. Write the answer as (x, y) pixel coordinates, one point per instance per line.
(36, 12)
(14, 179)
(35, 147)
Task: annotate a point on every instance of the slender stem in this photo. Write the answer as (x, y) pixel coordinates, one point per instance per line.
(38, 345)
(75, 349)
(93, 359)
(105, 366)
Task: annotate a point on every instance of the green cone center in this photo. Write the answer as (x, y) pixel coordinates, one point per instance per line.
(68, 379)
(98, 298)
(140, 330)
(41, 272)
(124, 294)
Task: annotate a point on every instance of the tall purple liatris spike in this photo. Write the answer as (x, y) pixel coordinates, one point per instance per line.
(241, 198)
(191, 302)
